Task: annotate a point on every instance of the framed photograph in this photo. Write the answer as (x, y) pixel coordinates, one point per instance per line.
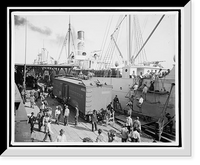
(99, 81)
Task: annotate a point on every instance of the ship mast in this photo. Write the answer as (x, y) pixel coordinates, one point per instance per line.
(67, 39)
(129, 40)
(24, 83)
(69, 32)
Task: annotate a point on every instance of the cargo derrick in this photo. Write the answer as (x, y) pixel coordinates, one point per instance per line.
(86, 94)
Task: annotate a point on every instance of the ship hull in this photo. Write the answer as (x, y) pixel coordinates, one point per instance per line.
(155, 101)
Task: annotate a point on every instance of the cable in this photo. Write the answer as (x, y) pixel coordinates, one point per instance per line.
(149, 36)
(105, 36)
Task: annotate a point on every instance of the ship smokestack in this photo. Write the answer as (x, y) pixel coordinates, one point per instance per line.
(81, 44)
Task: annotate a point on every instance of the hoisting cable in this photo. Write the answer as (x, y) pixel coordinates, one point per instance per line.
(111, 47)
(64, 43)
(149, 36)
(105, 36)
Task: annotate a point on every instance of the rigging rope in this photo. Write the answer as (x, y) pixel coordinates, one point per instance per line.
(109, 53)
(138, 42)
(118, 37)
(64, 43)
(105, 36)
(149, 36)
(141, 41)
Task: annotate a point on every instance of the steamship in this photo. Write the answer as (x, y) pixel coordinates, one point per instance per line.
(95, 67)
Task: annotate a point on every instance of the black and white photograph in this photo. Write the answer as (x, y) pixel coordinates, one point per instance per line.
(86, 78)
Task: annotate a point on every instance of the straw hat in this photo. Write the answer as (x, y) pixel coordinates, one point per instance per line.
(62, 131)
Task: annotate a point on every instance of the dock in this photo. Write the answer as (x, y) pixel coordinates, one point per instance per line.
(73, 133)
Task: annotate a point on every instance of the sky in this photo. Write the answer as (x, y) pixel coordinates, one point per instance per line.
(49, 29)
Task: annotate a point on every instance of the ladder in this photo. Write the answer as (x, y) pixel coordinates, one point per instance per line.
(117, 107)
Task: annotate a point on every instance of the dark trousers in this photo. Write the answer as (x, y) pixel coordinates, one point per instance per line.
(115, 106)
(39, 124)
(66, 120)
(158, 136)
(145, 96)
(57, 119)
(129, 128)
(124, 140)
(134, 140)
(32, 126)
(94, 126)
(47, 134)
(76, 120)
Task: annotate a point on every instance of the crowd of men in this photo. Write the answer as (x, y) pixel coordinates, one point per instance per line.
(44, 118)
(130, 131)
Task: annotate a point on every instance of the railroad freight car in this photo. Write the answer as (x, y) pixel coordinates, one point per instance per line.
(86, 94)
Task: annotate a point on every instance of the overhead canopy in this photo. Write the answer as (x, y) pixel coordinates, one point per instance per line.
(48, 65)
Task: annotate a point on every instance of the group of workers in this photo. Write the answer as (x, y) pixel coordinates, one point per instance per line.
(131, 130)
(152, 74)
(45, 117)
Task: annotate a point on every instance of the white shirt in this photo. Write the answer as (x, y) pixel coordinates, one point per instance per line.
(124, 132)
(135, 87)
(60, 138)
(145, 89)
(57, 112)
(42, 107)
(135, 135)
(141, 100)
(129, 121)
(47, 125)
(66, 112)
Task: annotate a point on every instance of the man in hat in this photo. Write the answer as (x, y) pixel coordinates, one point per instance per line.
(111, 135)
(129, 123)
(94, 121)
(115, 102)
(144, 91)
(134, 135)
(43, 107)
(137, 124)
(32, 101)
(124, 133)
(40, 116)
(76, 115)
(110, 107)
(31, 121)
(61, 137)
(135, 88)
(47, 127)
(140, 102)
(57, 115)
(99, 137)
(66, 114)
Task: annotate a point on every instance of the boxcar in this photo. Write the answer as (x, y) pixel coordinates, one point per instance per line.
(86, 94)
